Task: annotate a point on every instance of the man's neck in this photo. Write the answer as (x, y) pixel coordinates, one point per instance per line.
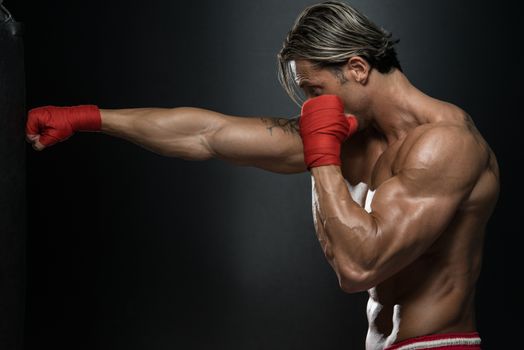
(397, 106)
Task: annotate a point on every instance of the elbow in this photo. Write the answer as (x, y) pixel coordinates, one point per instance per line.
(354, 280)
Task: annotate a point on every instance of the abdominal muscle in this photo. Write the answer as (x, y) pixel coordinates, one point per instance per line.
(419, 300)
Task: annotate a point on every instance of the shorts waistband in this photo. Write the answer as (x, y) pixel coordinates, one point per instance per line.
(452, 341)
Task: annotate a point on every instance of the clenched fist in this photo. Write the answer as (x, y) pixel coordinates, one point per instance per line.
(49, 124)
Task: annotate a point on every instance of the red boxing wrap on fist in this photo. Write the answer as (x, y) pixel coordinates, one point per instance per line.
(323, 128)
(55, 124)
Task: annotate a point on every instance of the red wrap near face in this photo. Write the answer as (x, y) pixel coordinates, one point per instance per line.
(323, 128)
(55, 124)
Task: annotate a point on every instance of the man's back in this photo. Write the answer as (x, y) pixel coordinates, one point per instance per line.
(434, 293)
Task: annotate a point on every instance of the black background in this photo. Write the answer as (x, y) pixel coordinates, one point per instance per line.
(131, 250)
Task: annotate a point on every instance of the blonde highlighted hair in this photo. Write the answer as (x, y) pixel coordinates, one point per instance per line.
(328, 34)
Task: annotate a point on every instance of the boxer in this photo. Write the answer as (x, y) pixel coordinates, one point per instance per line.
(403, 184)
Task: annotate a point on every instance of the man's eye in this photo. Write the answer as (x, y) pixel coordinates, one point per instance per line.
(315, 92)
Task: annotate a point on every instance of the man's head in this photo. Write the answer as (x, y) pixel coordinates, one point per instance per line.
(332, 39)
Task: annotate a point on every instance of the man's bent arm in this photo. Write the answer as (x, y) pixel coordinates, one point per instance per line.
(272, 144)
(409, 211)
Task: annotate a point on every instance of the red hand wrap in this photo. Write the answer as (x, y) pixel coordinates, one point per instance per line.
(323, 127)
(55, 124)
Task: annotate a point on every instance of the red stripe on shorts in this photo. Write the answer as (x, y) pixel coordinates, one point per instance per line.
(451, 341)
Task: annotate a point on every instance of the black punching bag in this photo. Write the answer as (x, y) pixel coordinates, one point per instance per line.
(12, 183)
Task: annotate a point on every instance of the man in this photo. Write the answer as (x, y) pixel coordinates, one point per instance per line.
(403, 184)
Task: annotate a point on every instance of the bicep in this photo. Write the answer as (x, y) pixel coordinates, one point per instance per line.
(407, 223)
(414, 207)
(272, 144)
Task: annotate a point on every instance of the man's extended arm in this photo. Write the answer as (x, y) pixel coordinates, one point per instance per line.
(273, 144)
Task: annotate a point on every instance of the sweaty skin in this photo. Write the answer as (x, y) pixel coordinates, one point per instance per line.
(431, 183)
(421, 244)
(429, 179)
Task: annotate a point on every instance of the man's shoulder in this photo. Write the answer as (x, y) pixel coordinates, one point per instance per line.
(444, 148)
(441, 135)
(452, 123)
(438, 137)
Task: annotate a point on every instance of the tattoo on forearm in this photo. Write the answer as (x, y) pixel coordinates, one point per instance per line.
(289, 126)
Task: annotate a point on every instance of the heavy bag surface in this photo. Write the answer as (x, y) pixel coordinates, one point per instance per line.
(12, 183)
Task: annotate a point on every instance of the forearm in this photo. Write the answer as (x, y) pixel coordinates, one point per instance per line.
(349, 230)
(176, 132)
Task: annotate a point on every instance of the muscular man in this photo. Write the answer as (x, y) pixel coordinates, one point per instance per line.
(403, 184)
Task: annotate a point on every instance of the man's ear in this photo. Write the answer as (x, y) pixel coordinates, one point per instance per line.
(358, 68)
